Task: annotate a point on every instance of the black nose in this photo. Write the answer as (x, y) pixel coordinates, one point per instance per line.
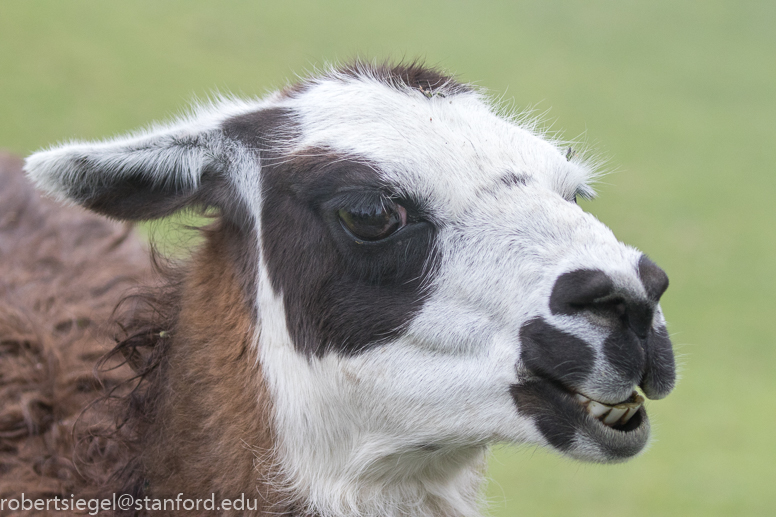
(654, 279)
(637, 350)
(592, 290)
(579, 290)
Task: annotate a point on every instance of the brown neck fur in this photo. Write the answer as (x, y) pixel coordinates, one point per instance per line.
(202, 421)
(214, 410)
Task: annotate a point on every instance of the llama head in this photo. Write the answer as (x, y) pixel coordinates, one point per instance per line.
(423, 282)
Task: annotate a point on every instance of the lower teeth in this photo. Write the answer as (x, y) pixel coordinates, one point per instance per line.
(617, 414)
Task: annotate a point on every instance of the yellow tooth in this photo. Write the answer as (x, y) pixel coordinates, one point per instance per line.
(614, 415)
(617, 414)
(628, 415)
(597, 409)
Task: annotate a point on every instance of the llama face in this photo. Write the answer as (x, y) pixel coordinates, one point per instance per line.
(496, 311)
(425, 283)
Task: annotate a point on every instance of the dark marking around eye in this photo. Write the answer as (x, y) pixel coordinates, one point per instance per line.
(340, 296)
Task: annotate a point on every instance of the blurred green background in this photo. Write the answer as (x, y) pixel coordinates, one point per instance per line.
(678, 94)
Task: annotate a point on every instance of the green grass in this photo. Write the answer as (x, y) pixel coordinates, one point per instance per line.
(679, 95)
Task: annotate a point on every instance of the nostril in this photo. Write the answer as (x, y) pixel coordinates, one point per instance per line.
(593, 290)
(620, 309)
(579, 290)
(653, 278)
(639, 319)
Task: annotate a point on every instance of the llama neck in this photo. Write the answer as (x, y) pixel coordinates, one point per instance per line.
(212, 432)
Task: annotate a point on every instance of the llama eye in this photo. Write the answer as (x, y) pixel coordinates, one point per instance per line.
(373, 223)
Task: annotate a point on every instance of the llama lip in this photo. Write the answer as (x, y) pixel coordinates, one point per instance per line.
(577, 425)
(611, 414)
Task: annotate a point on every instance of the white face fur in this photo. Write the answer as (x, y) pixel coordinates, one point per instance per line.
(517, 301)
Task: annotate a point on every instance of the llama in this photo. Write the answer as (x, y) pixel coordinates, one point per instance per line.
(398, 276)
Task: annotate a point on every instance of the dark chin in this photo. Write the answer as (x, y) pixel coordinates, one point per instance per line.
(567, 426)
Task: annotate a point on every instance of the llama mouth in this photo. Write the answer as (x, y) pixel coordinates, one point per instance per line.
(612, 415)
(581, 427)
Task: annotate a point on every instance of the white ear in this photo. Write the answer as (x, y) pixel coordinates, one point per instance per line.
(144, 175)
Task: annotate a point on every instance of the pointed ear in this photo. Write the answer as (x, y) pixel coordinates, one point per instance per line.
(142, 176)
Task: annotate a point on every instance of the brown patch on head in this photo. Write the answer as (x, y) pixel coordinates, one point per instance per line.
(414, 75)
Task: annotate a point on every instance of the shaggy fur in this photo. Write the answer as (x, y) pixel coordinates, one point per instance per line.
(63, 272)
(221, 443)
(63, 431)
